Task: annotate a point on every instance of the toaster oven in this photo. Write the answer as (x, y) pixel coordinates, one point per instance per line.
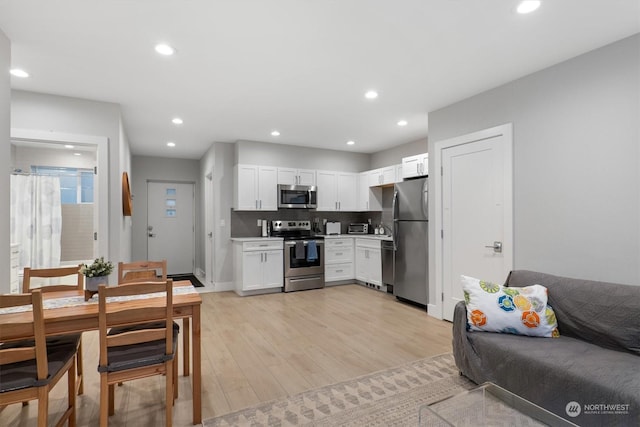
(358, 228)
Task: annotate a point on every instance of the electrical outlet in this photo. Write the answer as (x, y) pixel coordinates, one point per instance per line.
(259, 223)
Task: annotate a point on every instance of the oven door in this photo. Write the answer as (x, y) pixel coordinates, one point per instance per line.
(297, 196)
(296, 264)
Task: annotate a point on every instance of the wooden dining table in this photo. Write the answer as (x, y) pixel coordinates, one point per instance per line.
(67, 312)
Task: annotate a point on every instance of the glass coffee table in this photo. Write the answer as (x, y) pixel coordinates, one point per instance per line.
(487, 405)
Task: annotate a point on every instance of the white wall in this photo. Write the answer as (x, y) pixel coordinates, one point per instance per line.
(263, 153)
(145, 168)
(5, 158)
(576, 162)
(219, 159)
(394, 155)
(65, 115)
(126, 231)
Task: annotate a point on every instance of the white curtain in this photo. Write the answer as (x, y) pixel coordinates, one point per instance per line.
(36, 219)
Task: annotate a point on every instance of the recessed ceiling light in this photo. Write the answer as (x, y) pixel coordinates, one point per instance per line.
(77, 154)
(171, 144)
(372, 94)
(177, 121)
(275, 133)
(68, 146)
(351, 142)
(528, 6)
(19, 73)
(402, 123)
(165, 49)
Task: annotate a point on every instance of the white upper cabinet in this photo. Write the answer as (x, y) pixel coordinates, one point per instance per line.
(382, 176)
(347, 191)
(398, 169)
(414, 166)
(337, 191)
(369, 198)
(255, 188)
(288, 176)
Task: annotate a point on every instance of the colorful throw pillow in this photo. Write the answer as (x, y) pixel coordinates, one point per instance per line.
(519, 311)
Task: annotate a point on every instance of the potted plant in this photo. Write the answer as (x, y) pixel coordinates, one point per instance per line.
(96, 273)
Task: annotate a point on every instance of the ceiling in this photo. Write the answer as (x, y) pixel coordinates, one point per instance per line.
(244, 68)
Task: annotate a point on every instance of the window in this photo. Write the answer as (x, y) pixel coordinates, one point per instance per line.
(76, 185)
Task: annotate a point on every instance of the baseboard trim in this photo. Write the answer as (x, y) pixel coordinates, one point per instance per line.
(223, 287)
(431, 309)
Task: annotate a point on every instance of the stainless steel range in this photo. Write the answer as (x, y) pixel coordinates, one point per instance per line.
(303, 255)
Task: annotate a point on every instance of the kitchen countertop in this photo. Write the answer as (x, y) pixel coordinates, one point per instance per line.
(359, 236)
(255, 239)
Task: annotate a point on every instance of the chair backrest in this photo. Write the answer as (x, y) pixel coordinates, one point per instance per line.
(26, 323)
(138, 271)
(112, 314)
(48, 273)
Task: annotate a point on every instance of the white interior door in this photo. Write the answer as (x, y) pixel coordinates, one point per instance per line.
(477, 238)
(170, 225)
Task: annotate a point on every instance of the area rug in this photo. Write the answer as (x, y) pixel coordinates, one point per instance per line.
(190, 277)
(392, 397)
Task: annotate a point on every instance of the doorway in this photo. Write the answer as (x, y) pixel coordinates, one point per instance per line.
(474, 216)
(72, 159)
(170, 225)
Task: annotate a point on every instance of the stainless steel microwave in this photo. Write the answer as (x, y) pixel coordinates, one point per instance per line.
(297, 196)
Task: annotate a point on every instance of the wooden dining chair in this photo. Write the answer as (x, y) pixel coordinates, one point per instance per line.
(49, 273)
(128, 352)
(132, 272)
(30, 369)
(58, 272)
(137, 271)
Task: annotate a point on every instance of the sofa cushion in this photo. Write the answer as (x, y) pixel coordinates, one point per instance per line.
(519, 311)
(553, 373)
(607, 314)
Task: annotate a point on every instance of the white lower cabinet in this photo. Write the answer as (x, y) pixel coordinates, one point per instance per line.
(258, 265)
(338, 259)
(368, 261)
(14, 284)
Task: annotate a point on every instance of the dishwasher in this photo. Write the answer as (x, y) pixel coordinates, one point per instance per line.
(388, 264)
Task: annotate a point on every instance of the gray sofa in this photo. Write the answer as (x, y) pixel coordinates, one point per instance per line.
(595, 361)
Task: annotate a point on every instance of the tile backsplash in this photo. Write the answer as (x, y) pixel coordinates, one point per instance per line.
(244, 223)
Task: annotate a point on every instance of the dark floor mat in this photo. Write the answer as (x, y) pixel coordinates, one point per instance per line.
(193, 279)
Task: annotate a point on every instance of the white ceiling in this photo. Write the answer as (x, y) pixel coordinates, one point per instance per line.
(246, 67)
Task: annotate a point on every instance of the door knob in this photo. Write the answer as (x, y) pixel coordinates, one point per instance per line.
(497, 247)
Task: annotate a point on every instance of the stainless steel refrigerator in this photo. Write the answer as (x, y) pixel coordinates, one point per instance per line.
(410, 222)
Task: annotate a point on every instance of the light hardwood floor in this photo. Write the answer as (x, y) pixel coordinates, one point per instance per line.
(260, 348)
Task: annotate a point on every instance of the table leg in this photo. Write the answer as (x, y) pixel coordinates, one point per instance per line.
(197, 367)
(185, 347)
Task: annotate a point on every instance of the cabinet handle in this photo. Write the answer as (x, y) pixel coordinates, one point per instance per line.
(338, 271)
(256, 205)
(261, 257)
(266, 257)
(263, 245)
(338, 253)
